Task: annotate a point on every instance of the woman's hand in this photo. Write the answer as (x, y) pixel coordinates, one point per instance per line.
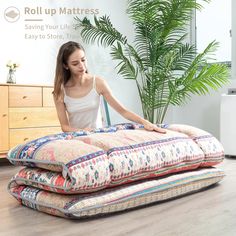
(84, 130)
(152, 127)
(88, 129)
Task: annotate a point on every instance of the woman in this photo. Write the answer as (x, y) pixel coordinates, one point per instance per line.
(77, 93)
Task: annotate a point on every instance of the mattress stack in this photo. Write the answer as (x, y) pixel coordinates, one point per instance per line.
(83, 174)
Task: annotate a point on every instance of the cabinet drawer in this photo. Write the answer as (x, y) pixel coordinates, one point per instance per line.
(4, 145)
(21, 96)
(32, 117)
(48, 97)
(19, 136)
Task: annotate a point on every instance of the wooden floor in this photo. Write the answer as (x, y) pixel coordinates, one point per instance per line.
(209, 212)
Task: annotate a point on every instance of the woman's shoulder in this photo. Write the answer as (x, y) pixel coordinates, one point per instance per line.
(100, 80)
(101, 85)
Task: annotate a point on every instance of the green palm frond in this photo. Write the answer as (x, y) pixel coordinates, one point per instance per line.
(102, 31)
(126, 68)
(184, 56)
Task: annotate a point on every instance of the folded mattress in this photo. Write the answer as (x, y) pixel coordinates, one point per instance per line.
(80, 174)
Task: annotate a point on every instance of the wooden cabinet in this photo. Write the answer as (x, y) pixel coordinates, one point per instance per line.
(26, 112)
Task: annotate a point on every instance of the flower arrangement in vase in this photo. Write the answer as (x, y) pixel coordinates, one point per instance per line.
(11, 77)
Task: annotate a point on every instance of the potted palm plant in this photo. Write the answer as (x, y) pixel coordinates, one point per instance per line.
(166, 68)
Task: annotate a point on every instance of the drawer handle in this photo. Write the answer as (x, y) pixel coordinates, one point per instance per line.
(25, 118)
(24, 97)
(26, 139)
(4, 115)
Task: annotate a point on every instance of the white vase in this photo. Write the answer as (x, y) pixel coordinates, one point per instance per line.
(11, 77)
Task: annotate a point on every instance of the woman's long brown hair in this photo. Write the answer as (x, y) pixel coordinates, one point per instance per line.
(62, 75)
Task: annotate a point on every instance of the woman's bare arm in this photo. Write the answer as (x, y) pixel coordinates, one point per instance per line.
(103, 89)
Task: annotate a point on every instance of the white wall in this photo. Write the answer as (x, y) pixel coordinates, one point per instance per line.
(233, 44)
(37, 56)
(213, 22)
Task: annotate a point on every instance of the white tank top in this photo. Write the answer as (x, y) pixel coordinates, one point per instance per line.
(84, 112)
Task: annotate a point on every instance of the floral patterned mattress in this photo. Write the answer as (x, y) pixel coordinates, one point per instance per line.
(82, 174)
